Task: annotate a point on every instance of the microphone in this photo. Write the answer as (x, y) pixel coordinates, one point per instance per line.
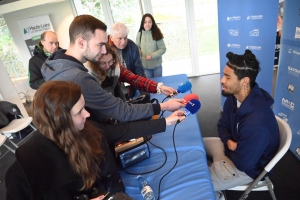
(182, 88)
(189, 97)
(191, 108)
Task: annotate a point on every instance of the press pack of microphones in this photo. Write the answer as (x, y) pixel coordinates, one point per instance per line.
(191, 101)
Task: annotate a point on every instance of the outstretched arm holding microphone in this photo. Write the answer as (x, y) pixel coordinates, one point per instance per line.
(174, 117)
(182, 88)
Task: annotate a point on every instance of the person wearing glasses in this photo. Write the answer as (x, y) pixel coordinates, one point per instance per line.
(87, 43)
(110, 73)
(42, 50)
(128, 53)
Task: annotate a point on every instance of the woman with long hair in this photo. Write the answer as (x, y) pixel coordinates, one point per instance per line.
(68, 157)
(152, 46)
(109, 72)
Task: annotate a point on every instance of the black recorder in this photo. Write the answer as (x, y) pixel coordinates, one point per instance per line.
(133, 151)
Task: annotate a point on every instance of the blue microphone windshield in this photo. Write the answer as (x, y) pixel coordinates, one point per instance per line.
(184, 87)
(192, 107)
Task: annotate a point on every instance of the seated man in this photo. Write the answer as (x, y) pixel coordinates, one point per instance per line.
(128, 51)
(42, 50)
(248, 130)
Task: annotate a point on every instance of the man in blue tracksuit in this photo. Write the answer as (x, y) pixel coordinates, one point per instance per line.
(248, 130)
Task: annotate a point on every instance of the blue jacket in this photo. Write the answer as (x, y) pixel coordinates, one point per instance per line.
(254, 127)
(131, 55)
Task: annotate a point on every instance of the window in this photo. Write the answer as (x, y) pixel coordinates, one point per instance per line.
(127, 12)
(9, 53)
(91, 7)
(191, 38)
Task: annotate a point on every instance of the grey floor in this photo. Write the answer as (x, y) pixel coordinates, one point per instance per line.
(286, 174)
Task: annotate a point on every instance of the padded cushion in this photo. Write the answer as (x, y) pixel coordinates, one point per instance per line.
(9, 108)
(3, 120)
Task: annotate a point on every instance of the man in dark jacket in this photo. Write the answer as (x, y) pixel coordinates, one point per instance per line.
(42, 50)
(248, 130)
(128, 51)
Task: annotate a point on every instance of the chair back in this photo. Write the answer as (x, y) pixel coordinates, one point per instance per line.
(285, 141)
(9, 108)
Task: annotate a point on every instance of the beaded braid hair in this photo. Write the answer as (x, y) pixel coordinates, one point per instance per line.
(245, 65)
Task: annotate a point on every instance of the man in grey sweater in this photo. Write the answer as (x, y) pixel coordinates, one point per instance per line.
(87, 43)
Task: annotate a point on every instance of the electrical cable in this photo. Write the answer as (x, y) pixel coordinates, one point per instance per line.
(162, 114)
(164, 99)
(176, 161)
(25, 96)
(173, 165)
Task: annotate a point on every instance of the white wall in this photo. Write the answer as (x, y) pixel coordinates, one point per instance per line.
(61, 16)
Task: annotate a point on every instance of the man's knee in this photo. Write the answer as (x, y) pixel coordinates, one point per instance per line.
(225, 175)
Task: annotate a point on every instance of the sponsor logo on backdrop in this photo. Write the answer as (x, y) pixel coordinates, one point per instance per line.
(296, 52)
(233, 32)
(253, 47)
(298, 151)
(283, 116)
(234, 18)
(255, 17)
(37, 28)
(293, 71)
(298, 132)
(254, 32)
(297, 34)
(288, 104)
(291, 88)
(234, 45)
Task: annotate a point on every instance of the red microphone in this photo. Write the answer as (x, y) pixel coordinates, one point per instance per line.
(189, 97)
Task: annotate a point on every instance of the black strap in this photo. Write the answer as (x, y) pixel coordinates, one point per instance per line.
(141, 37)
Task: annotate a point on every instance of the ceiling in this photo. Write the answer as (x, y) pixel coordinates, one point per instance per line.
(2, 2)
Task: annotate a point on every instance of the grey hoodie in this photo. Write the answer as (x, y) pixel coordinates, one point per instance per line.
(98, 102)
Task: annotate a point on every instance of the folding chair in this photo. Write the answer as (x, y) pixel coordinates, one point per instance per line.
(18, 123)
(257, 184)
(2, 140)
(15, 125)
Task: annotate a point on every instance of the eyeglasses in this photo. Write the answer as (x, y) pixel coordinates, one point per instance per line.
(109, 63)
